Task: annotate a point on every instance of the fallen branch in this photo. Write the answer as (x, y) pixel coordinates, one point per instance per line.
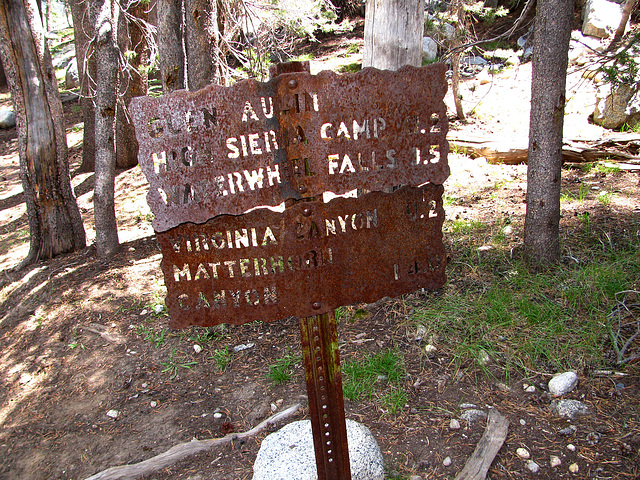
(516, 151)
(482, 457)
(183, 450)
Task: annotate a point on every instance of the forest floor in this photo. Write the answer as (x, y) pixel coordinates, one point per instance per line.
(92, 377)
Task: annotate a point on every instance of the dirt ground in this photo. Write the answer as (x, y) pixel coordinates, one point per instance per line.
(80, 338)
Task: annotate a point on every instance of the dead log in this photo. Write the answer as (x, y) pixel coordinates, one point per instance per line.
(618, 148)
(482, 457)
(183, 450)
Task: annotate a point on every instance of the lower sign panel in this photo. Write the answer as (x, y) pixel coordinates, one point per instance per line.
(309, 259)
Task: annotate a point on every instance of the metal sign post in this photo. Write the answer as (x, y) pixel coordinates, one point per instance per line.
(223, 162)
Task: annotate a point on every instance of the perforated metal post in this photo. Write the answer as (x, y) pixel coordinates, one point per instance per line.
(319, 337)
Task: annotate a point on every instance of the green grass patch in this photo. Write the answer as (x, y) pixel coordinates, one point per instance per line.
(378, 375)
(282, 370)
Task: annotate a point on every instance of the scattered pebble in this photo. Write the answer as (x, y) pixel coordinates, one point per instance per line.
(571, 447)
(466, 406)
(243, 346)
(533, 467)
(144, 385)
(217, 415)
(113, 413)
(158, 309)
(454, 424)
(24, 378)
(144, 312)
(563, 384)
(567, 432)
(554, 461)
(472, 415)
(274, 407)
(574, 468)
(569, 408)
(153, 404)
(197, 348)
(530, 389)
(523, 453)
(483, 357)
(523, 422)
(430, 349)
(447, 461)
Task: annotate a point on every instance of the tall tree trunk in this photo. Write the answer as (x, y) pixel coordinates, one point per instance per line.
(134, 79)
(55, 223)
(393, 31)
(201, 22)
(106, 51)
(83, 31)
(629, 5)
(550, 58)
(170, 52)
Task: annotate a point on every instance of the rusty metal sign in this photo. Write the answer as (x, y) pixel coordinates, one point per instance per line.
(309, 259)
(225, 150)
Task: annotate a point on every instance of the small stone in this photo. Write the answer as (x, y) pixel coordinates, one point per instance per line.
(447, 461)
(574, 468)
(131, 249)
(274, 407)
(523, 422)
(158, 309)
(144, 385)
(533, 467)
(554, 461)
(454, 424)
(197, 348)
(571, 447)
(567, 432)
(153, 404)
(428, 349)
(144, 312)
(530, 389)
(243, 346)
(563, 384)
(279, 402)
(569, 408)
(415, 477)
(382, 378)
(113, 413)
(217, 415)
(523, 453)
(472, 415)
(7, 118)
(466, 406)
(24, 378)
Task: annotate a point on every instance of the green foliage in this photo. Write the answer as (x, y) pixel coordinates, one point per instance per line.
(173, 365)
(282, 370)
(622, 68)
(148, 334)
(222, 358)
(361, 377)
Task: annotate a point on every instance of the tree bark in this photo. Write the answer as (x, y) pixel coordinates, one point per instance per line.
(83, 31)
(201, 22)
(393, 31)
(55, 223)
(105, 21)
(170, 52)
(549, 75)
(134, 78)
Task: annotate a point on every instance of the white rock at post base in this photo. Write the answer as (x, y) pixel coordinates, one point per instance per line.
(288, 454)
(563, 383)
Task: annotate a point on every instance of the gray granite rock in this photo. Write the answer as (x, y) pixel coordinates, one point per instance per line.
(7, 118)
(563, 383)
(569, 408)
(288, 454)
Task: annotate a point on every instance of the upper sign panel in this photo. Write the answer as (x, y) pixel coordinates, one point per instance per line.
(225, 150)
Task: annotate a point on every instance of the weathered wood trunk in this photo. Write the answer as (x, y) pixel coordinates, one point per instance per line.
(549, 74)
(55, 223)
(83, 31)
(393, 31)
(130, 38)
(201, 21)
(170, 53)
(106, 53)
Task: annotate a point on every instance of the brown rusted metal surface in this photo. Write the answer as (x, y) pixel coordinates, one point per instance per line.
(326, 404)
(225, 150)
(309, 259)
